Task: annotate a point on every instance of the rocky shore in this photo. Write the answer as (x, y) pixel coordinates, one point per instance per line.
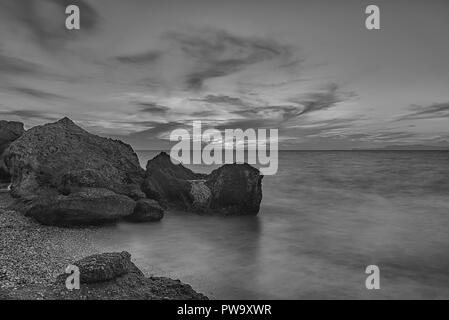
(33, 258)
(58, 175)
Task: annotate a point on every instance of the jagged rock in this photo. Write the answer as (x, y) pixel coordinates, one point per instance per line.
(146, 210)
(169, 183)
(236, 189)
(63, 157)
(113, 276)
(9, 132)
(233, 189)
(90, 206)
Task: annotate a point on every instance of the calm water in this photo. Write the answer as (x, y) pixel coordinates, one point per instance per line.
(324, 217)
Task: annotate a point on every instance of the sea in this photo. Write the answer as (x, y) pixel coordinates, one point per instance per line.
(325, 217)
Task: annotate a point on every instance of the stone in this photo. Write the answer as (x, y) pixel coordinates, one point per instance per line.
(63, 157)
(232, 189)
(236, 189)
(146, 210)
(89, 206)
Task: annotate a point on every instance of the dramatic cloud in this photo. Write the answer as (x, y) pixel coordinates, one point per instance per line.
(44, 20)
(217, 53)
(322, 100)
(435, 111)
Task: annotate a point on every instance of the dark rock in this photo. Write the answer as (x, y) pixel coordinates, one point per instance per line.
(113, 276)
(105, 267)
(63, 157)
(169, 183)
(146, 210)
(9, 132)
(233, 189)
(236, 189)
(85, 207)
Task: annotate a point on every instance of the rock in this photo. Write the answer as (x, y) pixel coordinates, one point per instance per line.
(63, 157)
(105, 267)
(146, 210)
(236, 189)
(9, 132)
(109, 276)
(233, 189)
(168, 183)
(88, 206)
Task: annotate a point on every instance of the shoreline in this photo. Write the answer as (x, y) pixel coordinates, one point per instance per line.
(33, 255)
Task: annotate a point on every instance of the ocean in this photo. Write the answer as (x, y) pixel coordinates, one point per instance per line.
(325, 216)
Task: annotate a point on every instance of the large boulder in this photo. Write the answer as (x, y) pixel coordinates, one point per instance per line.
(109, 276)
(146, 210)
(233, 189)
(9, 132)
(63, 175)
(61, 158)
(169, 183)
(89, 206)
(236, 189)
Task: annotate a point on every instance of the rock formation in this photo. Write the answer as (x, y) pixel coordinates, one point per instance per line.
(64, 175)
(169, 183)
(9, 132)
(60, 158)
(114, 276)
(236, 189)
(146, 210)
(233, 189)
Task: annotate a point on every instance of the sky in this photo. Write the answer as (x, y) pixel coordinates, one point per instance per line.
(139, 69)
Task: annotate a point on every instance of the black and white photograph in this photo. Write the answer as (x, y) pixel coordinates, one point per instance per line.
(239, 150)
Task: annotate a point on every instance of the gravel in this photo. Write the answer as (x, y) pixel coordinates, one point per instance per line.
(33, 254)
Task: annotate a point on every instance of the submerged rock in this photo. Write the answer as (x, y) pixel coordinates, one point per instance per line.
(169, 183)
(9, 132)
(63, 157)
(236, 189)
(146, 210)
(233, 189)
(113, 276)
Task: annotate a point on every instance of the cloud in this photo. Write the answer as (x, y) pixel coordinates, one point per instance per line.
(222, 99)
(434, 111)
(325, 99)
(217, 53)
(141, 58)
(152, 108)
(15, 65)
(34, 93)
(44, 20)
(30, 115)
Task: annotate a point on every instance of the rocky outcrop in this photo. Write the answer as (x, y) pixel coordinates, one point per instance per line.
(88, 206)
(64, 175)
(146, 210)
(233, 189)
(169, 183)
(9, 132)
(61, 158)
(236, 189)
(113, 276)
